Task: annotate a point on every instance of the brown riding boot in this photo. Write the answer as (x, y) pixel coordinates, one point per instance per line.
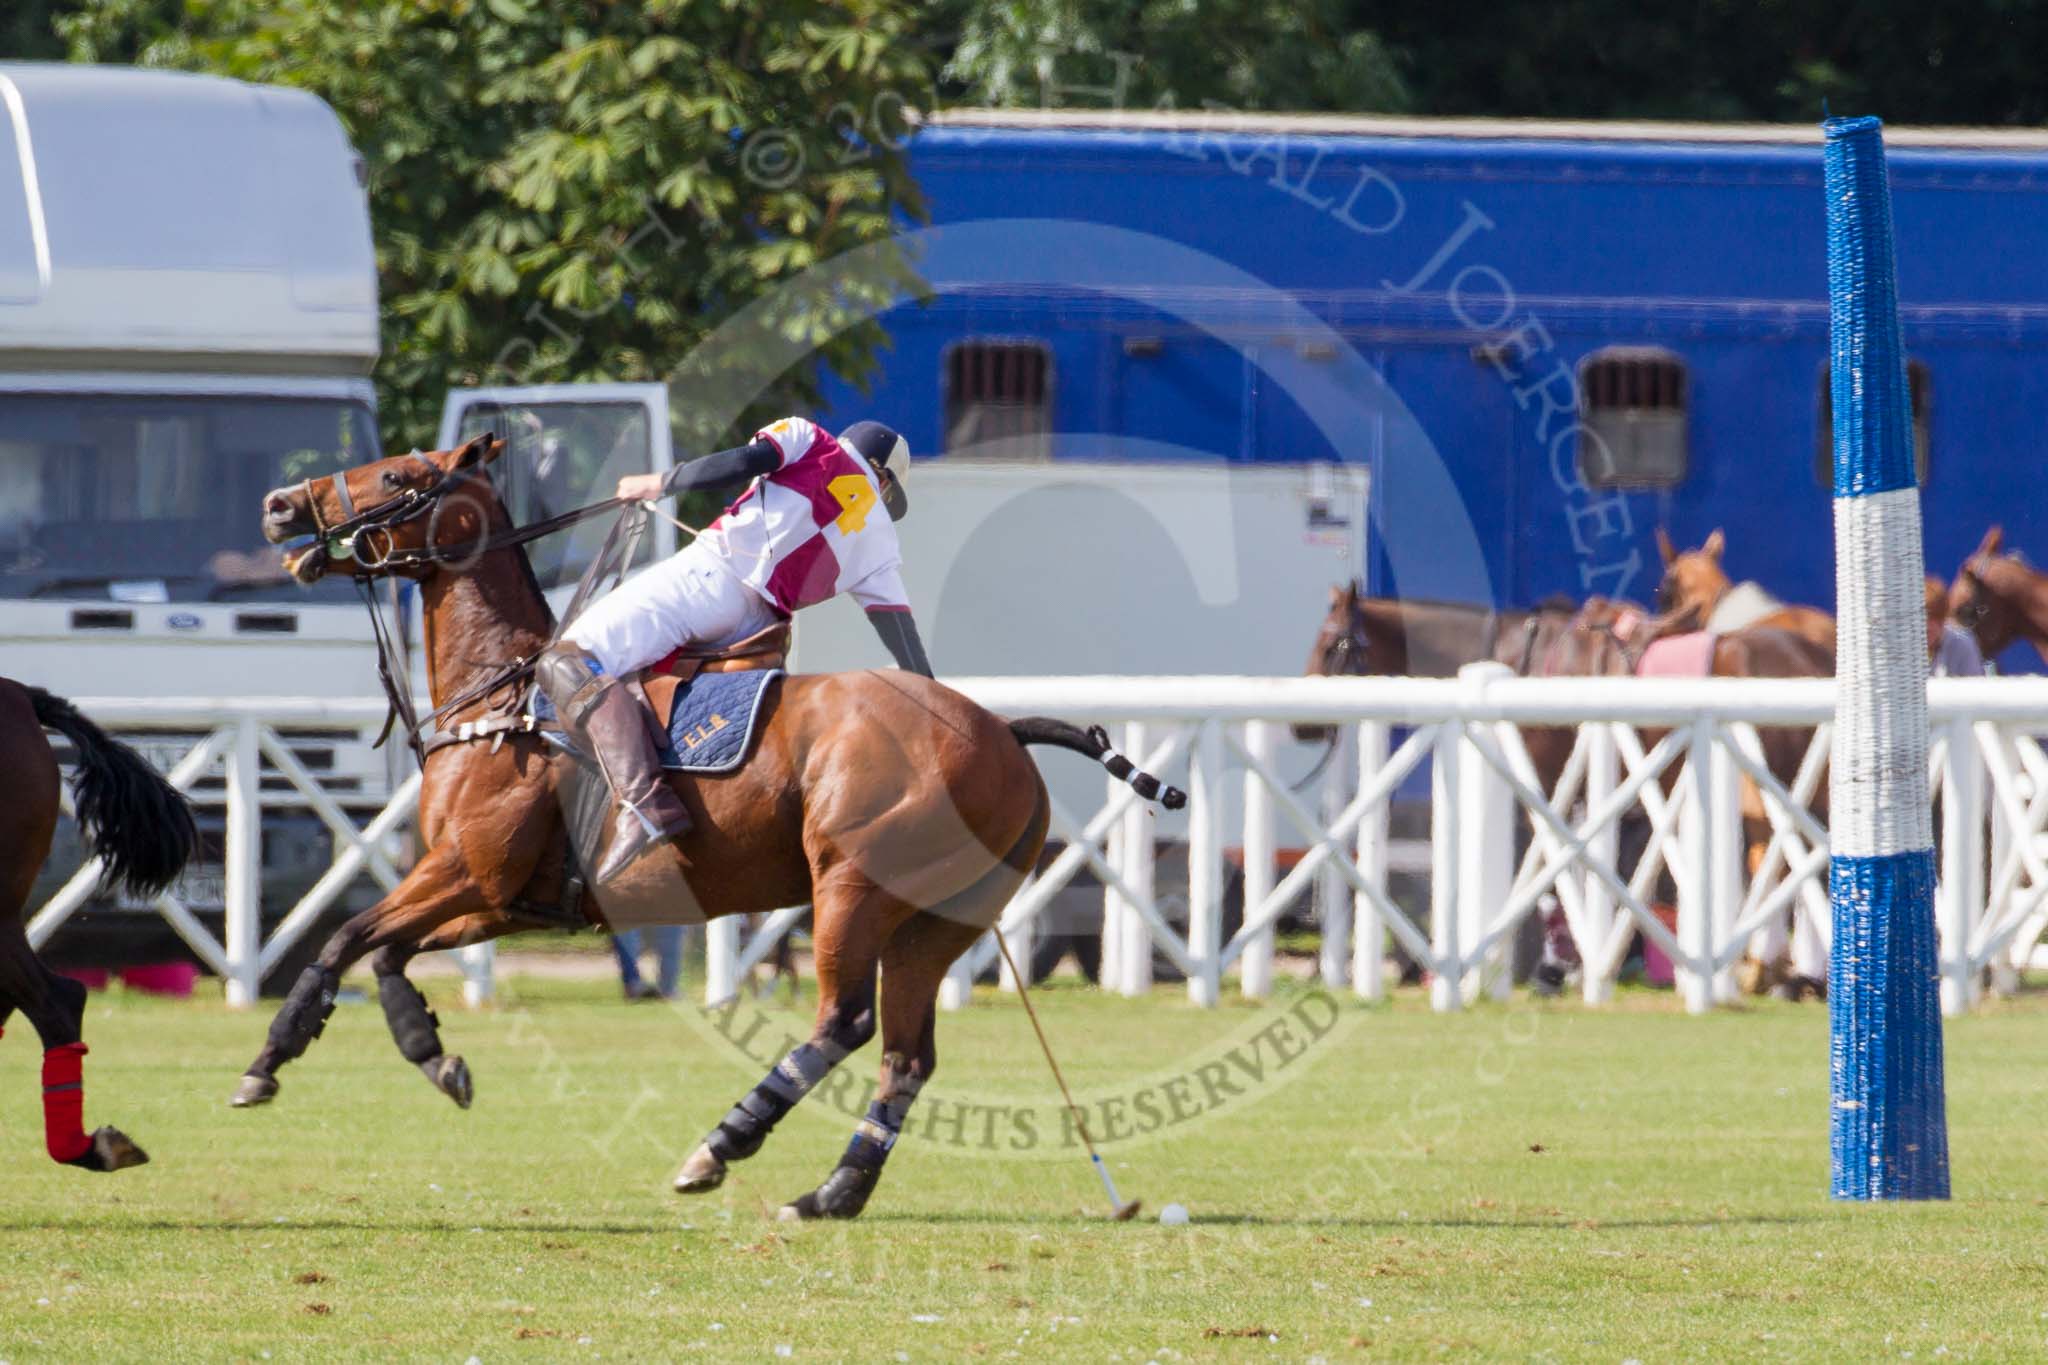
(615, 728)
(612, 727)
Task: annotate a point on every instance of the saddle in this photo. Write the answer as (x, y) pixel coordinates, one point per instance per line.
(661, 680)
(714, 735)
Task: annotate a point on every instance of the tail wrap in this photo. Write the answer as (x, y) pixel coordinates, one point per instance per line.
(1094, 743)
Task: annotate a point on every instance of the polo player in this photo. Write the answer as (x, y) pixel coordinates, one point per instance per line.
(802, 532)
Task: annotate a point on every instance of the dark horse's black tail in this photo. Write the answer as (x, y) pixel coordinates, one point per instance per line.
(137, 823)
(1093, 742)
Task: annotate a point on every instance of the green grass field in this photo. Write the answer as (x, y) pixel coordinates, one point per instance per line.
(1389, 1200)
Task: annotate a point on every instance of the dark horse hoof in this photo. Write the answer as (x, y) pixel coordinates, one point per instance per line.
(254, 1090)
(450, 1076)
(843, 1195)
(111, 1150)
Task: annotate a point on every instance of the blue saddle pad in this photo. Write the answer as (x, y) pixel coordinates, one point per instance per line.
(712, 729)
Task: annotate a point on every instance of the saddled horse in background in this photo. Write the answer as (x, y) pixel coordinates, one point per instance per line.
(140, 829)
(901, 811)
(1999, 597)
(1420, 638)
(1694, 582)
(1601, 638)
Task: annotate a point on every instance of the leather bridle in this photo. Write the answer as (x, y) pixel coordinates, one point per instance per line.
(1977, 610)
(354, 537)
(1345, 656)
(351, 536)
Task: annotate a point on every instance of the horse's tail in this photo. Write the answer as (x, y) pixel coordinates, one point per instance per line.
(1093, 742)
(138, 824)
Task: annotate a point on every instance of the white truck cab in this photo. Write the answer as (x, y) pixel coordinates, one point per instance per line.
(188, 319)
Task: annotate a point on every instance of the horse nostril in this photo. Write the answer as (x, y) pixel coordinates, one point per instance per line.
(277, 507)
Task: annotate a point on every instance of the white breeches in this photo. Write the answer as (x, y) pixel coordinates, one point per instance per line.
(688, 598)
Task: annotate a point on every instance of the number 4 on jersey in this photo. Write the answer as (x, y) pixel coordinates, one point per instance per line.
(857, 496)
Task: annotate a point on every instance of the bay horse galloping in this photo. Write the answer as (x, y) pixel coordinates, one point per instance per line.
(140, 828)
(902, 812)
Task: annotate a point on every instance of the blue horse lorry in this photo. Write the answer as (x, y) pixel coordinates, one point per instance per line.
(1545, 341)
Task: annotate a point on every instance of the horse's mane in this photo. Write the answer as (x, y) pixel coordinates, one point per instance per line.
(519, 554)
(533, 582)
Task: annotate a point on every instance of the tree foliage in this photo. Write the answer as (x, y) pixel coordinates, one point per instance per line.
(572, 191)
(1251, 54)
(1960, 62)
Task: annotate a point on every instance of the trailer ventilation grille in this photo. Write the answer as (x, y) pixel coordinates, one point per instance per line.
(999, 400)
(1632, 418)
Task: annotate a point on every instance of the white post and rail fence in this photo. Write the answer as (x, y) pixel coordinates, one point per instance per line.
(1678, 757)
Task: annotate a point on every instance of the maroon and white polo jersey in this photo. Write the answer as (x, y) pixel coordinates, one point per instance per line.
(814, 528)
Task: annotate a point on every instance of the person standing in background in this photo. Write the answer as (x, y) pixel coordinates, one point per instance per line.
(667, 940)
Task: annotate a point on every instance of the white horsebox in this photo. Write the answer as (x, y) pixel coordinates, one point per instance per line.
(188, 317)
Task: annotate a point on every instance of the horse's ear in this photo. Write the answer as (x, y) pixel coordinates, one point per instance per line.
(1665, 547)
(1993, 540)
(481, 449)
(1715, 544)
(1357, 589)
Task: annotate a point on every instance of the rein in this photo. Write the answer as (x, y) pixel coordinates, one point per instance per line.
(352, 536)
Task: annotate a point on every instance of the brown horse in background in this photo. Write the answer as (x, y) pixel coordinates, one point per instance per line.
(1999, 597)
(1602, 638)
(901, 811)
(141, 830)
(1605, 637)
(1694, 582)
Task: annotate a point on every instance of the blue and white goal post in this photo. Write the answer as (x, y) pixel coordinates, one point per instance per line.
(1888, 1129)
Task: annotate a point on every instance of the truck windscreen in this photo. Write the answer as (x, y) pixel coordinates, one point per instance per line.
(157, 497)
(560, 456)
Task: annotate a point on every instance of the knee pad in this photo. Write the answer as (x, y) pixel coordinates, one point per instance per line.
(571, 679)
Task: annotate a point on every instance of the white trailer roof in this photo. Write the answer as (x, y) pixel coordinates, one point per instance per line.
(150, 219)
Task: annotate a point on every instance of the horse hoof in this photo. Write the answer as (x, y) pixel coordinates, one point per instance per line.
(115, 1150)
(703, 1172)
(254, 1090)
(450, 1076)
(843, 1195)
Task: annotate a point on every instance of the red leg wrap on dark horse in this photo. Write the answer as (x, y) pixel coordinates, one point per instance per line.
(64, 1102)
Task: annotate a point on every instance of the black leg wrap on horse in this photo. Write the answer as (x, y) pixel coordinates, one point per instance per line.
(742, 1131)
(303, 1016)
(843, 1195)
(415, 1028)
(876, 1135)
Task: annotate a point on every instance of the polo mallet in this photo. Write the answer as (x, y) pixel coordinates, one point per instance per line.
(1122, 1212)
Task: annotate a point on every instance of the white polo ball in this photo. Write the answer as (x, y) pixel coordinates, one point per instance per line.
(1173, 1215)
